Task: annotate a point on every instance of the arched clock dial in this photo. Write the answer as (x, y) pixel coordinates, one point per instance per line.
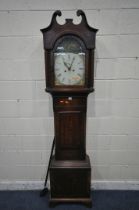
(69, 61)
(69, 68)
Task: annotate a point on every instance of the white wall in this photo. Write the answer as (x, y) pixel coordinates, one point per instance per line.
(26, 116)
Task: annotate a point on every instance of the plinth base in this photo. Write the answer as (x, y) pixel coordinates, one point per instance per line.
(85, 201)
(70, 182)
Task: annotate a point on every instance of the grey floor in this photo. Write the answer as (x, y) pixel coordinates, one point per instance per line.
(102, 200)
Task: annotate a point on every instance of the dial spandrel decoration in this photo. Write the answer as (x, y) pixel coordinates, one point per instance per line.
(69, 62)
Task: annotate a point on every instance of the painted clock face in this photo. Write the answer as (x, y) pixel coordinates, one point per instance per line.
(69, 68)
(69, 63)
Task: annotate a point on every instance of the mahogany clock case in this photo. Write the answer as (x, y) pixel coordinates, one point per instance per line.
(70, 169)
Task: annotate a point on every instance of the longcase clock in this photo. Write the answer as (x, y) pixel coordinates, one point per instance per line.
(69, 70)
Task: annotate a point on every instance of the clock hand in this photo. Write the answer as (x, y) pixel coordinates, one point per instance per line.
(71, 63)
(65, 64)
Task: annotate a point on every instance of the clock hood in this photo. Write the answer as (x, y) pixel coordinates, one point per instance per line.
(54, 31)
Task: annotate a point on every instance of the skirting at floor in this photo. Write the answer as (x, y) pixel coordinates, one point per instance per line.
(97, 185)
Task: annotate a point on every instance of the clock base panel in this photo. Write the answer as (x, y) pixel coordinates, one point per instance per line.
(70, 182)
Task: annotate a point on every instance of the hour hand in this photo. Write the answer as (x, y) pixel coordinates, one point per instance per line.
(65, 64)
